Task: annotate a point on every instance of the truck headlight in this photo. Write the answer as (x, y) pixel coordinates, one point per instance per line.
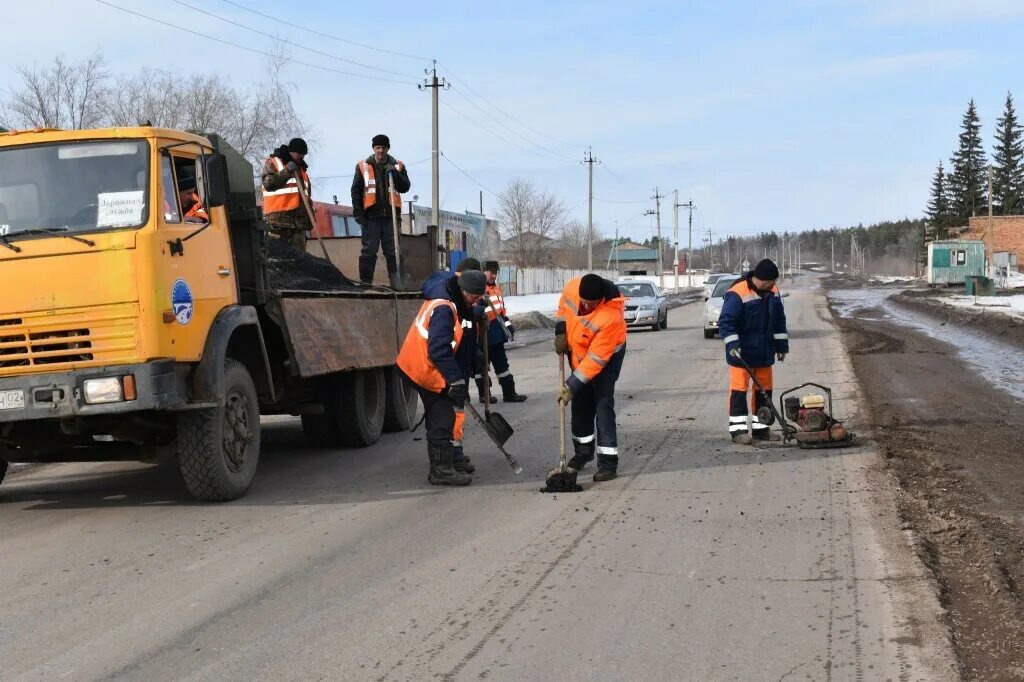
(105, 390)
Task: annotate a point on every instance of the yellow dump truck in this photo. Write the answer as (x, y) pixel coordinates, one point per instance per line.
(130, 329)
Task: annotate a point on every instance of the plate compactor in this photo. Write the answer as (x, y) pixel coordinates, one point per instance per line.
(807, 419)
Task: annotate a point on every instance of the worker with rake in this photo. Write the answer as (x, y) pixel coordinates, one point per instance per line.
(753, 326)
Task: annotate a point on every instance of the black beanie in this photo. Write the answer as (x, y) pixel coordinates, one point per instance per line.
(592, 287)
(473, 282)
(298, 145)
(467, 264)
(381, 140)
(766, 270)
(491, 265)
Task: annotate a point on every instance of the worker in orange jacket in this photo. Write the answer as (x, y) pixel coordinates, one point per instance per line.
(591, 330)
(191, 206)
(437, 357)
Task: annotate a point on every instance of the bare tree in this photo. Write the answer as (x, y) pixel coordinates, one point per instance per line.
(572, 246)
(61, 95)
(529, 220)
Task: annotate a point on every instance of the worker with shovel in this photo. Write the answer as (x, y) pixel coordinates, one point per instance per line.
(437, 357)
(591, 331)
(282, 204)
(753, 324)
(379, 181)
(499, 332)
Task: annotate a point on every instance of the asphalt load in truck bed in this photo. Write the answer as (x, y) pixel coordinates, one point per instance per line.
(292, 270)
(953, 442)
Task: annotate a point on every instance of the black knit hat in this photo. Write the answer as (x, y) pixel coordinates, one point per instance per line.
(382, 140)
(473, 282)
(467, 264)
(491, 265)
(187, 183)
(592, 287)
(766, 270)
(298, 145)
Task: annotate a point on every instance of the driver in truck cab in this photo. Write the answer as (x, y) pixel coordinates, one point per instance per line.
(191, 206)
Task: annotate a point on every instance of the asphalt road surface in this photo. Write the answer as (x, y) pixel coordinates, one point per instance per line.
(704, 560)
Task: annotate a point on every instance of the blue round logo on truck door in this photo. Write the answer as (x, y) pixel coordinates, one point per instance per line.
(181, 302)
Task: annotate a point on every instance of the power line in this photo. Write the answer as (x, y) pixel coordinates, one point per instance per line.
(288, 42)
(489, 131)
(479, 184)
(192, 31)
(325, 35)
(349, 175)
(511, 130)
(506, 114)
(610, 201)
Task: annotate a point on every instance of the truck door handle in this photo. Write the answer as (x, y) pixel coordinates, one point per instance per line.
(224, 272)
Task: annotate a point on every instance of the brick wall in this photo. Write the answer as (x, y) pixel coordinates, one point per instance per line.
(1007, 233)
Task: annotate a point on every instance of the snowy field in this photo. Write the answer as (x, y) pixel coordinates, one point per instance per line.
(547, 303)
(1009, 305)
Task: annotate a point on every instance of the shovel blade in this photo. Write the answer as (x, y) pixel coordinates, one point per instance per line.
(497, 428)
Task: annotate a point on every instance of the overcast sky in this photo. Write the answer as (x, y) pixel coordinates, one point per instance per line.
(770, 115)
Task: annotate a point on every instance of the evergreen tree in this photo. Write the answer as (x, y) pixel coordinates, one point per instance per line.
(1008, 163)
(937, 213)
(968, 178)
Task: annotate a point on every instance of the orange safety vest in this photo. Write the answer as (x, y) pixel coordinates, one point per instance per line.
(287, 198)
(370, 185)
(414, 358)
(594, 337)
(497, 307)
(197, 214)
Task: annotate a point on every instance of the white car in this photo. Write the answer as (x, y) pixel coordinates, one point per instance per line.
(712, 280)
(646, 305)
(713, 305)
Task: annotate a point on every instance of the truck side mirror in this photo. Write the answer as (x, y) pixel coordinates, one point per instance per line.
(213, 173)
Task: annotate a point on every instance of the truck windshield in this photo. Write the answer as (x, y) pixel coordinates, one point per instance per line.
(73, 187)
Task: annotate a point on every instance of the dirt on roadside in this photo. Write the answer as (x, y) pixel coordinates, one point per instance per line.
(955, 445)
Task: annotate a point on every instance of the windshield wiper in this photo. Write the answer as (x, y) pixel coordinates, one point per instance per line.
(7, 242)
(55, 231)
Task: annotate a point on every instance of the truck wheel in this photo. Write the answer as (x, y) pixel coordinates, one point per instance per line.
(320, 430)
(3, 469)
(360, 411)
(218, 448)
(709, 333)
(402, 401)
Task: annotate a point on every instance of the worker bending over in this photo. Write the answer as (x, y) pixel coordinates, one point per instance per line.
(591, 331)
(752, 322)
(499, 332)
(437, 356)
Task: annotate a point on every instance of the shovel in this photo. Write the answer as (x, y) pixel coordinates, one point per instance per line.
(312, 219)
(497, 427)
(498, 431)
(561, 479)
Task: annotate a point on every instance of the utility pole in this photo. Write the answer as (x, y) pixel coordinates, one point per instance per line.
(711, 255)
(589, 160)
(481, 202)
(657, 216)
(435, 84)
(689, 246)
(989, 244)
(675, 261)
(832, 241)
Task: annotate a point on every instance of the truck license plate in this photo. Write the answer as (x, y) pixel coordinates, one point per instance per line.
(12, 400)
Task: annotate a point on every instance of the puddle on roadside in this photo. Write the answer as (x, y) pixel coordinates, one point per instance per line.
(999, 363)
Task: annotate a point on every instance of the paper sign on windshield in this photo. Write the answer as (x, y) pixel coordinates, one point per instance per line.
(120, 209)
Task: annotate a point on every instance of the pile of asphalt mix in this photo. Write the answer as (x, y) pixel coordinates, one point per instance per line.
(531, 320)
(291, 270)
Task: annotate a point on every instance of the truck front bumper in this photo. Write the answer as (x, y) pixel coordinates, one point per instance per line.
(61, 394)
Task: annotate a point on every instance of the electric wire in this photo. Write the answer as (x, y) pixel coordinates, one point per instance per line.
(478, 183)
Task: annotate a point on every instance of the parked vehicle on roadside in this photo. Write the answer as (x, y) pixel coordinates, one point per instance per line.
(646, 305)
(713, 304)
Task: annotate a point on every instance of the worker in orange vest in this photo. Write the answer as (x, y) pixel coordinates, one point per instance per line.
(437, 357)
(284, 176)
(591, 330)
(191, 206)
(499, 332)
(372, 203)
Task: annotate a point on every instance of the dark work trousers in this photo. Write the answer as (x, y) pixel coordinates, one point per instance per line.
(596, 402)
(499, 361)
(438, 416)
(378, 233)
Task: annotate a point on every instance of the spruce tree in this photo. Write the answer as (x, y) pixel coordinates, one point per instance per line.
(968, 178)
(1008, 163)
(937, 213)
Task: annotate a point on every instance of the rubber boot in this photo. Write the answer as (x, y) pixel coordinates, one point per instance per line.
(607, 465)
(480, 390)
(442, 471)
(742, 438)
(508, 390)
(366, 272)
(396, 281)
(584, 452)
(765, 434)
(461, 463)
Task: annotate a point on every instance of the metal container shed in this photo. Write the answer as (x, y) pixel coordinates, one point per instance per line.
(950, 261)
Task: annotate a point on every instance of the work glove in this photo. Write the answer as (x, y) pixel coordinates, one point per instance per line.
(565, 395)
(561, 344)
(389, 168)
(292, 167)
(732, 349)
(458, 393)
(781, 357)
(511, 331)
